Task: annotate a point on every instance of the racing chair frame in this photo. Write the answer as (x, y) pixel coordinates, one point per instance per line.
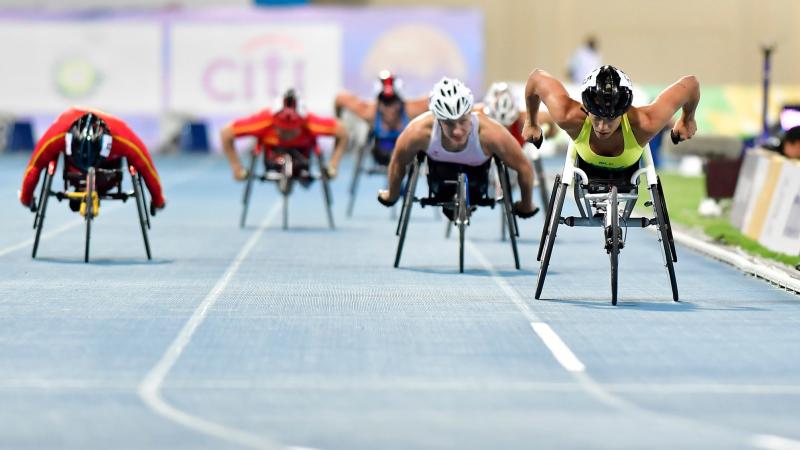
(285, 179)
(461, 205)
(87, 193)
(607, 203)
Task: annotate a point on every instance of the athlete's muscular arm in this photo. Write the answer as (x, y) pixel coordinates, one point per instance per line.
(684, 94)
(361, 108)
(416, 106)
(411, 141)
(47, 149)
(338, 150)
(500, 142)
(227, 136)
(564, 111)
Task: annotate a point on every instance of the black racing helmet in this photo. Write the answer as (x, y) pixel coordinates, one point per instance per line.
(88, 141)
(607, 92)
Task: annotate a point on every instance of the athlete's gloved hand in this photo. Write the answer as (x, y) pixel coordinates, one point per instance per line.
(240, 174)
(154, 208)
(524, 212)
(331, 171)
(533, 134)
(383, 198)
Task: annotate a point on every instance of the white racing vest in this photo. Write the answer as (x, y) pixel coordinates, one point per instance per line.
(471, 155)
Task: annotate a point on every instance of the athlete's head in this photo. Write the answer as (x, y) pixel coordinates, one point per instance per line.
(389, 97)
(290, 118)
(88, 141)
(606, 94)
(451, 101)
(500, 105)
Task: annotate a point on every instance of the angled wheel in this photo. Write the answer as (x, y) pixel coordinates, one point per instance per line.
(545, 228)
(404, 190)
(41, 209)
(140, 202)
(667, 224)
(508, 212)
(549, 239)
(538, 169)
(663, 238)
(326, 191)
(248, 188)
(612, 241)
(405, 215)
(509, 194)
(356, 175)
(144, 201)
(89, 199)
(461, 214)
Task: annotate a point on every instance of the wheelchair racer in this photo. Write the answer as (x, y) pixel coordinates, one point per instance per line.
(606, 131)
(387, 115)
(91, 138)
(452, 133)
(290, 128)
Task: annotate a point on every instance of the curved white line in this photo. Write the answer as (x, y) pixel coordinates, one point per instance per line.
(150, 387)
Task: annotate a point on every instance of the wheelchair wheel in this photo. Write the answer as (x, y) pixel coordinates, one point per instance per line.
(575, 193)
(144, 200)
(545, 228)
(549, 239)
(356, 175)
(404, 191)
(508, 212)
(667, 223)
(613, 246)
(405, 214)
(41, 209)
(448, 229)
(90, 187)
(510, 196)
(140, 206)
(538, 170)
(461, 202)
(663, 238)
(326, 191)
(248, 188)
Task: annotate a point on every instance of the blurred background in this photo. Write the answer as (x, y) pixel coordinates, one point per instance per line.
(178, 70)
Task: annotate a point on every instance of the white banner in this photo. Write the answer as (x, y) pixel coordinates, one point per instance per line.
(110, 65)
(748, 187)
(239, 68)
(781, 231)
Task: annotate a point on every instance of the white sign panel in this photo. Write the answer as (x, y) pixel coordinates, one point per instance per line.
(235, 68)
(782, 226)
(748, 187)
(111, 65)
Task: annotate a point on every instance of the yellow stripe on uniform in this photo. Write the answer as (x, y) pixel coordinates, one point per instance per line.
(141, 155)
(36, 156)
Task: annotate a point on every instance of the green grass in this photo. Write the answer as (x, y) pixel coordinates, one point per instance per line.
(683, 195)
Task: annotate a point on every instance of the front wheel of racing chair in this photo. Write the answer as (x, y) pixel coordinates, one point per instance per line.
(613, 236)
(141, 207)
(405, 211)
(360, 151)
(509, 219)
(41, 209)
(549, 232)
(285, 186)
(462, 216)
(665, 236)
(326, 190)
(248, 187)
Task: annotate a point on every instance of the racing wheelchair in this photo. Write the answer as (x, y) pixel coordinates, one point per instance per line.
(287, 166)
(378, 165)
(606, 199)
(458, 190)
(84, 189)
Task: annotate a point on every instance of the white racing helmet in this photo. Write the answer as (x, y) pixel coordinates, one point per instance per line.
(450, 99)
(500, 105)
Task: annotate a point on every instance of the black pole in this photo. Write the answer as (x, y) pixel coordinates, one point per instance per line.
(767, 52)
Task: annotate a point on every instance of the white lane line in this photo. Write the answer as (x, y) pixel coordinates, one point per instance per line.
(558, 348)
(78, 222)
(551, 340)
(770, 442)
(150, 387)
